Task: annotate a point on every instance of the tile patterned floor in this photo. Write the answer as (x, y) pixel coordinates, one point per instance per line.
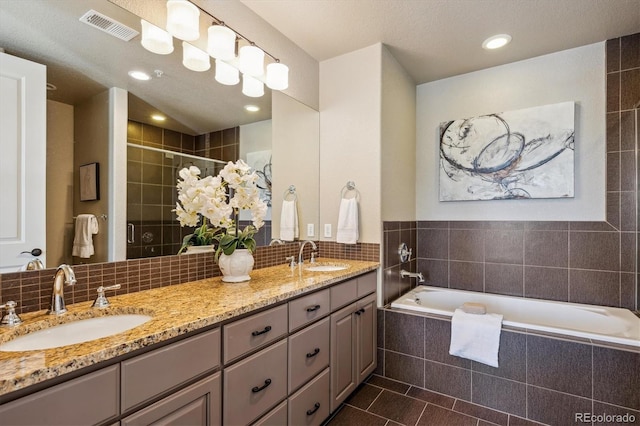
(384, 402)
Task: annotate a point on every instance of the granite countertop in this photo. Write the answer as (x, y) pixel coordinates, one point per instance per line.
(176, 310)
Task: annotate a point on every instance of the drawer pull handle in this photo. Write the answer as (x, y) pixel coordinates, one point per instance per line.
(257, 333)
(315, 408)
(257, 389)
(315, 352)
(313, 308)
(359, 311)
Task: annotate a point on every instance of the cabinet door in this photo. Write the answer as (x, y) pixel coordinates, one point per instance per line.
(343, 355)
(198, 404)
(86, 400)
(366, 320)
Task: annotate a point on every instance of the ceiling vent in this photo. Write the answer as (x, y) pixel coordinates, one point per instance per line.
(108, 25)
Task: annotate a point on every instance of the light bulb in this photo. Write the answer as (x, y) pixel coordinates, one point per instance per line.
(183, 20)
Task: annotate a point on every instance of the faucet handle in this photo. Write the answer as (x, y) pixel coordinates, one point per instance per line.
(102, 301)
(10, 318)
(313, 257)
(293, 261)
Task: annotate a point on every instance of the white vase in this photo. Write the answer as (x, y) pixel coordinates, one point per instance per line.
(237, 266)
(199, 249)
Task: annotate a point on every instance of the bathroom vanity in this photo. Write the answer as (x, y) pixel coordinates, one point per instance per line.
(286, 347)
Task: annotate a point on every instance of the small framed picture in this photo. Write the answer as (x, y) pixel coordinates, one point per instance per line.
(89, 182)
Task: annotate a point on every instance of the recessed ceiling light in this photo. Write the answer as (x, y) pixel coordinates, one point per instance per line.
(252, 108)
(139, 75)
(496, 41)
(158, 117)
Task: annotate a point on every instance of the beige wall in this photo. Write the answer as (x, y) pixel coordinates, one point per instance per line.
(59, 183)
(571, 75)
(398, 141)
(296, 151)
(91, 130)
(350, 108)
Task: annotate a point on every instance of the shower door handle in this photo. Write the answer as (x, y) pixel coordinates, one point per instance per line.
(131, 229)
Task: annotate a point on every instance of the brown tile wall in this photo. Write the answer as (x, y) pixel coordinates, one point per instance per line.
(540, 378)
(32, 290)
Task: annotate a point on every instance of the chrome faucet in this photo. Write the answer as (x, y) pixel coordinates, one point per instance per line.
(417, 275)
(300, 255)
(64, 275)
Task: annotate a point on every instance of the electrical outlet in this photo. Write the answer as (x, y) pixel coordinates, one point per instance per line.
(327, 230)
(310, 230)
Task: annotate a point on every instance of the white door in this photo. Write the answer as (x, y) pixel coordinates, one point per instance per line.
(22, 161)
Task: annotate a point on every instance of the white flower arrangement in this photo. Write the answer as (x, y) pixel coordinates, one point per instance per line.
(220, 199)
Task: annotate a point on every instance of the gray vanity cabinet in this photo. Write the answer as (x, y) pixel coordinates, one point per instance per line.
(353, 339)
(86, 400)
(198, 404)
(254, 385)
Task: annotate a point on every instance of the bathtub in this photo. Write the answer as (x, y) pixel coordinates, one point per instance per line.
(602, 323)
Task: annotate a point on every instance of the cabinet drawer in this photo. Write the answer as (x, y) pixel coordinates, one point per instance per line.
(198, 404)
(367, 283)
(254, 385)
(275, 417)
(308, 353)
(310, 405)
(343, 294)
(89, 399)
(242, 336)
(177, 363)
(309, 308)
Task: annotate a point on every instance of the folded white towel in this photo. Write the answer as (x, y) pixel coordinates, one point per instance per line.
(347, 231)
(476, 337)
(289, 221)
(86, 227)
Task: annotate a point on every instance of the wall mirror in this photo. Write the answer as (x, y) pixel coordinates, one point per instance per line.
(84, 63)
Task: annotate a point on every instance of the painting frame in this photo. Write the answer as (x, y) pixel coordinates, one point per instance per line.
(89, 182)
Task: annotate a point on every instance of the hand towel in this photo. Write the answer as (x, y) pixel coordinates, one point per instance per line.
(289, 221)
(347, 231)
(86, 227)
(476, 337)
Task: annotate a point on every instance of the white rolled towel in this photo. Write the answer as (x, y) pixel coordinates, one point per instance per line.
(86, 228)
(289, 221)
(347, 231)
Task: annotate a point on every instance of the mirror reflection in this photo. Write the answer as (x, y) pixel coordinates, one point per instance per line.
(205, 123)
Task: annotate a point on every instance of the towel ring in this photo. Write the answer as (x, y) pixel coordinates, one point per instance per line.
(291, 192)
(350, 187)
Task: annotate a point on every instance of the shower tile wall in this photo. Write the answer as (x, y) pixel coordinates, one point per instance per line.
(151, 180)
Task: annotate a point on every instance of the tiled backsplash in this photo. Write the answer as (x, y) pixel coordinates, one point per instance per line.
(32, 290)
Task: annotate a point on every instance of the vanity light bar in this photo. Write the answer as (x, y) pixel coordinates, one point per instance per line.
(221, 45)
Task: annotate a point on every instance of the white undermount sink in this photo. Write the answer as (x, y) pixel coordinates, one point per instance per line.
(74, 332)
(327, 267)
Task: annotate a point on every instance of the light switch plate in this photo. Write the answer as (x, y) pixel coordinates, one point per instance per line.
(327, 230)
(310, 230)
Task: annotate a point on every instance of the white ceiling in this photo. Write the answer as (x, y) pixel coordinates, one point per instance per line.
(435, 39)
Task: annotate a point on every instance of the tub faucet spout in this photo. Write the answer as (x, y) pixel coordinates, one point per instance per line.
(64, 275)
(417, 275)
